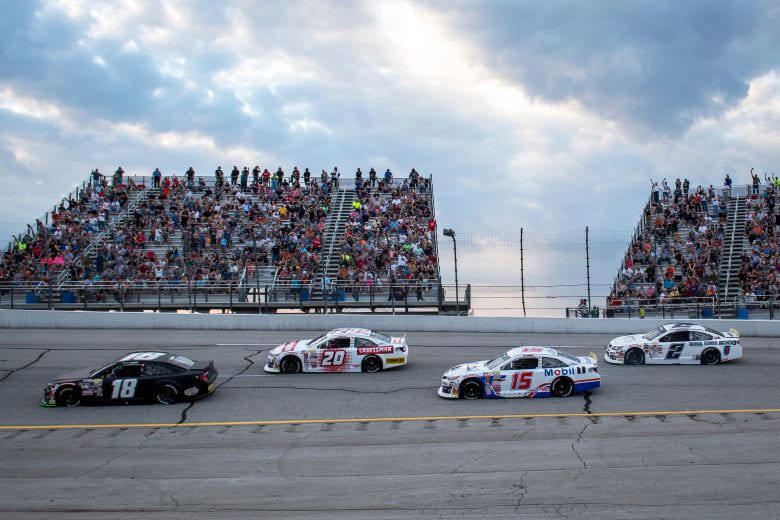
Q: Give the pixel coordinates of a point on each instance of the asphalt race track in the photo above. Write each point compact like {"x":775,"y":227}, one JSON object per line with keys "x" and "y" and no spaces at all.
{"x":652,"y":442}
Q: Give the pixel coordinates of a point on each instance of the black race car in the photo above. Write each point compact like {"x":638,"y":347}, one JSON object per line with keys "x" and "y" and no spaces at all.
{"x":157,"y":376}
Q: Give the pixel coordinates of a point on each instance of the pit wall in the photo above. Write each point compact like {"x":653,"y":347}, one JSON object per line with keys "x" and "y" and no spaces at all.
{"x":21,"y":319}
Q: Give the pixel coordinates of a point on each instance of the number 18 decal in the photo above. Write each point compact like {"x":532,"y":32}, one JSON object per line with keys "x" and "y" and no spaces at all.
{"x":124,"y":388}
{"x":333,"y":358}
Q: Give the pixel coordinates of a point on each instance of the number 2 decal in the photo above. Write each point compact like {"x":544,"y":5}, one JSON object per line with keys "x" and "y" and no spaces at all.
{"x":124,"y":388}
{"x":521,"y":380}
{"x":675,"y":350}
{"x":333,"y":358}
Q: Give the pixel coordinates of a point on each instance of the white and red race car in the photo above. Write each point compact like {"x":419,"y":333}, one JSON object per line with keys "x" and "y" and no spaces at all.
{"x":522,"y":372}
{"x":339,"y":350}
{"x":675,"y":344}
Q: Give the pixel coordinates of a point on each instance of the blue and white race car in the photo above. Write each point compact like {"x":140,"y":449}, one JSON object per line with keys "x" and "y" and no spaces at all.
{"x":522,"y":372}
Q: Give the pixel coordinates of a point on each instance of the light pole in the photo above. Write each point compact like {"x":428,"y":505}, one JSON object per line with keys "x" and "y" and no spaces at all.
{"x":451,"y":233}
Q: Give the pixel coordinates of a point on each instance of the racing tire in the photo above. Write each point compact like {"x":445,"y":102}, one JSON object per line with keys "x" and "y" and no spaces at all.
{"x":166,"y":393}
{"x":290,"y":365}
{"x":634,"y":357}
{"x":562,"y":387}
{"x":471,"y":389}
{"x":711,"y":356}
{"x":371,"y":364}
{"x":68,"y":396}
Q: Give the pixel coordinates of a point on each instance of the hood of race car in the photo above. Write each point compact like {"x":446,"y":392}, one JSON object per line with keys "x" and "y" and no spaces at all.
{"x":633,"y":339}
{"x":476,"y":367}
{"x":291,"y":346}
{"x":75,"y":375}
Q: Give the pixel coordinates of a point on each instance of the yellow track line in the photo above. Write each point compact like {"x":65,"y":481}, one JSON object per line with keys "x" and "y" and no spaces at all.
{"x":377,"y":419}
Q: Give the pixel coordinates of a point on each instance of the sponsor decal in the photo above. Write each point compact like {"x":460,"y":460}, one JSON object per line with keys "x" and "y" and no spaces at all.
{"x":374,"y":350}
{"x":394,"y":360}
{"x":550,"y":372}
{"x":193,"y":390}
{"x":726,"y":350}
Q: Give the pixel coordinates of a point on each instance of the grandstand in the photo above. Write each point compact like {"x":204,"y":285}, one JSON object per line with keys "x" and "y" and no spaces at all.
{"x":707,"y":253}
{"x":261,"y":243}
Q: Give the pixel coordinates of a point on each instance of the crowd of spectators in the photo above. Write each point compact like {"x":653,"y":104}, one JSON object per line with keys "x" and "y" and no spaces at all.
{"x":675,"y":258}
{"x":759,"y":273}
{"x":389,"y":237}
{"x":188,"y":229}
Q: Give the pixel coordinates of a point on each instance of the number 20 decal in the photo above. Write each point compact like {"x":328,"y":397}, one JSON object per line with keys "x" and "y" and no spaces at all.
{"x":333,"y":358}
{"x":124,"y":388}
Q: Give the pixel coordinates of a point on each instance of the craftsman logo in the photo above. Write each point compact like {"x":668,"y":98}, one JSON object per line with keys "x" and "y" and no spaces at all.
{"x":374,"y":350}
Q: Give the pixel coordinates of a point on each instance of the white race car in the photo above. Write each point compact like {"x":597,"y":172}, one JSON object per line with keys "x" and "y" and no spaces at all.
{"x":339,"y":350}
{"x":522,"y":372}
{"x":675,"y":344}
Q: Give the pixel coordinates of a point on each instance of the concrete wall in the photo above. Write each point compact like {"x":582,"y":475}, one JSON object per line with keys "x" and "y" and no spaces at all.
{"x":319,"y":322}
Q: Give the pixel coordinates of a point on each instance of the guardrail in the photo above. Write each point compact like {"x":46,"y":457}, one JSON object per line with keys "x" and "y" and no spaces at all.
{"x":204,"y":296}
{"x":694,"y":308}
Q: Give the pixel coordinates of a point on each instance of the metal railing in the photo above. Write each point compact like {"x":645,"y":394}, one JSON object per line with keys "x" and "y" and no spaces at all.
{"x":205,"y":296}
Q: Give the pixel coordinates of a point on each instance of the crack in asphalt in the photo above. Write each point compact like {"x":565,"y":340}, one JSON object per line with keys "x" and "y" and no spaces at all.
{"x":250,"y":364}
{"x":573,"y":444}
{"x":522,"y":490}
{"x":103,"y":465}
{"x":693,"y":450}
{"x":25,"y":366}
{"x":588,"y":402}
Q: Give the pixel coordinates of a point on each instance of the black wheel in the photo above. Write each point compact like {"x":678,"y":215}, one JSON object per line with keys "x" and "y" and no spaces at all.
{"x":710,"y":356}
{"x":634,"y":357}
{"x":68,"y":396}
{"x":562,"y":387}
{"x":166,"y":394}
{"x":472,"y":389}
{"x":290,"y":365}
{"x":372,"y":364}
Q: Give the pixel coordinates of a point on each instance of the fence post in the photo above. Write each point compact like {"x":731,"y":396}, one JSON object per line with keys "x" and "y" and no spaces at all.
{"x":159,"y":297}
{"x":50,"y":297}
{"x":230,"y":290}
{"x":12,"y":296}
{"x":121,"y":297}
{"x":371,"y":297}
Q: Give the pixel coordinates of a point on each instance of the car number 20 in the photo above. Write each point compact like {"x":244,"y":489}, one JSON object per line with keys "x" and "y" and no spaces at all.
{"x":333,"y":358}
{"x":123,"y":388}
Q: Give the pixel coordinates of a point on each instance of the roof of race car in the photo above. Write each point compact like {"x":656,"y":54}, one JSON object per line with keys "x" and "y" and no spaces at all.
{"x":349,"y":332}
{"x":690,"y":326}
{"x":532,"y":351}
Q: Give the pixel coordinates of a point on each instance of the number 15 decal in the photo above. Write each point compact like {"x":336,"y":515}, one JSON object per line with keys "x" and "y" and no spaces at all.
{"x":521,"y":380}
{"x":333,"y":358}
{"x":124,"y":388}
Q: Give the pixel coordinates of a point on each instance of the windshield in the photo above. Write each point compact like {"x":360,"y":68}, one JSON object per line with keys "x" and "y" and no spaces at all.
{"x":317,"y":340}
{"x":97,"y":371}
{"x":496,"y":362}
{"x":381,"y":337}
{"x":655,"y":332}
{"x":181,"y":361}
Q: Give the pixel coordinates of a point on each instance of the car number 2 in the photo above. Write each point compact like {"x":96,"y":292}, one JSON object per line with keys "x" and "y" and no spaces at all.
{"x":333,"y":358}
{"x":123,"y":388}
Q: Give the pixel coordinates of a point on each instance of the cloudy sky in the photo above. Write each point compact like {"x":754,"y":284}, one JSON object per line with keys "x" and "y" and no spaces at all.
{"x":544,"y":115}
